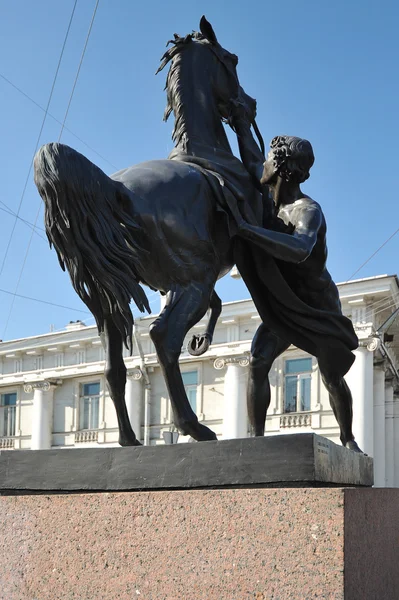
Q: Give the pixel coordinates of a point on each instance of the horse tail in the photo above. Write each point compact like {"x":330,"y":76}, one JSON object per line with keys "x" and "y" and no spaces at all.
{"x":92,"y":234}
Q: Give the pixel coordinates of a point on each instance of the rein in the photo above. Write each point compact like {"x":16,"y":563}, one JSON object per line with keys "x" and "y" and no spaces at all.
{"x":236,"y":104}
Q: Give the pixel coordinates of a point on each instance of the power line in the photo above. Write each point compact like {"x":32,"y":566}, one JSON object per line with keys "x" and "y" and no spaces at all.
{"x":43,"y":301}
{"x":372,"y":256}
{"x":13,"y":214}
{"x":39,"y":136}
{"x":93,"y":318}
{"x":381,"y":304}
{"x":67,"y":307}
{"x":59,"y":138}
{"x":393,"y":304}
{"x":58,"y":121}
{"x":79,"y":67}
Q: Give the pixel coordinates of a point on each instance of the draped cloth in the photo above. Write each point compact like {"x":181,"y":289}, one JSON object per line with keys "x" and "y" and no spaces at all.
{"x":323,"y":332}
{"x":326,"y":334}
{"x":228,"y":178}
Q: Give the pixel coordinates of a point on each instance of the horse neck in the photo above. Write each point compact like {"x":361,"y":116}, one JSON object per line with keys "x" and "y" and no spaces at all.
{"x":197,"y":119}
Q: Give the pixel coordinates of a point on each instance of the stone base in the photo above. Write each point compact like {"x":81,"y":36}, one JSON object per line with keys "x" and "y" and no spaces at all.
{"x":283,"y":460}
{"x":225,"y":544}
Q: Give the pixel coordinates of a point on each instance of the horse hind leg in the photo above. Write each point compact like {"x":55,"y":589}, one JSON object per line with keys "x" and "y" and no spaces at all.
{"x":199,"y":344}
{"x":184,"y":308}
{"x":115,"y":374}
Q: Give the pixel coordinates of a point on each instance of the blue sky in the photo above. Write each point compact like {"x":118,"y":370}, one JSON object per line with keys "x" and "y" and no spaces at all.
{"x":326,"y":71}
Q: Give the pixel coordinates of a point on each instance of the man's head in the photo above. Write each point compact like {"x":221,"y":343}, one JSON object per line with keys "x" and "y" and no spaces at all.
{"x":290,"y":157}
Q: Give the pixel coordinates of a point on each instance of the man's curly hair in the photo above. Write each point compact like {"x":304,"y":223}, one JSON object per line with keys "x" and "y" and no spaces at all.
{"x":293,"y":157}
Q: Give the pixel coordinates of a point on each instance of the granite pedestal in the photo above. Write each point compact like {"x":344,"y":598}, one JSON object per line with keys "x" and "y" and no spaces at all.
{"x":284,"y":460}
{"x":300,"y":530}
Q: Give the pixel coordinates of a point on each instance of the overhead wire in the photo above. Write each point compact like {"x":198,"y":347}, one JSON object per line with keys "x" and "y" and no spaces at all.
{"x":28,"y":223}
{"x":69,"y":307}
{"x":39,"y":136}
{"x":59,"y":138}
{"x":382,"y":304}
{"x":391,"y":305}
{"x":44,"y":301}
{"x":372,"y":255}
{"x":59,"y":122}
{"x":78,"y":71}
{"x":134,"y":309}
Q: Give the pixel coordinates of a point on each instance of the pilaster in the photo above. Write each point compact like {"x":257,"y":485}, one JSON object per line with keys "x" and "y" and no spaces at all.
{"x":360,"y":381}
{"x":235,"y":420}
{"x":379,"y":424}
{"x":42,"y":418}
{"x":134,"y":399}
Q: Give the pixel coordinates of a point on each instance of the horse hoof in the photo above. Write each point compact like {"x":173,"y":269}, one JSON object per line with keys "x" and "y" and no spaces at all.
{"x":199,"y":344}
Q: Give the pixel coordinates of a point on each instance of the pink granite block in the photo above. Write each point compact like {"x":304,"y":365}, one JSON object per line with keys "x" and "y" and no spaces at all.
{"x":231,"y":544}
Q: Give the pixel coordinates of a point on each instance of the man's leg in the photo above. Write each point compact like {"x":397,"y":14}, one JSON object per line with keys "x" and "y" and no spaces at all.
{"x":266,"y":347}
{"x":341,"y":404}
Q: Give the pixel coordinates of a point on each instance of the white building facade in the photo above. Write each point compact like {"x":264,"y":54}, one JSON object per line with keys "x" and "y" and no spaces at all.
{"x":53,"y":392}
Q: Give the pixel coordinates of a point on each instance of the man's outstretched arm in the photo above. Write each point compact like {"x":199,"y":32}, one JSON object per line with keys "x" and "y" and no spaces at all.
{"x":293,"y":248}
{"x":251,"y":155}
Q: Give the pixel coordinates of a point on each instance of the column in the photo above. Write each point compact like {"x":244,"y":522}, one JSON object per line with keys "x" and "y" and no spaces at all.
{"x":379,"y":426}
{"x":42,"y":418}
{"x":360,"y":381}
{"x":235,"y":419}
{"x":134,"y":399}
{"x":389,"y":436}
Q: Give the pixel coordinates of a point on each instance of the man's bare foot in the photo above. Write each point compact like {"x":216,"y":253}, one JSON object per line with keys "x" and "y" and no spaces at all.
{"x":352,"y":445}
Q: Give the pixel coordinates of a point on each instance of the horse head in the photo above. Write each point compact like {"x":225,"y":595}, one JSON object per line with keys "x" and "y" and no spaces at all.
{"x":233,"y":98}
{"x":203,"y":71}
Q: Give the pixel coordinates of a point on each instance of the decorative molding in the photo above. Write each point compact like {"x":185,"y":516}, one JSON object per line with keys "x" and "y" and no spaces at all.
{"x":220,"y":363}
{"x":296,"y":420}
{"x":40,"y":385}
{"x":135,"y":374}
{"x":82,"y":437}
{"x":372,"y":343}
{"x":7,"y":443}
{"x":45,"y":386}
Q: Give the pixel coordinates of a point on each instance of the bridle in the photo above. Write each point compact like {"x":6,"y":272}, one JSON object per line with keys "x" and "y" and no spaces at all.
{"x":236,"y":103}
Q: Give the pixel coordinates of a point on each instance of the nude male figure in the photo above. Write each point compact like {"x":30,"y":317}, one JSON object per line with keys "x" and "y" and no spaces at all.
{"x":297,"y":241}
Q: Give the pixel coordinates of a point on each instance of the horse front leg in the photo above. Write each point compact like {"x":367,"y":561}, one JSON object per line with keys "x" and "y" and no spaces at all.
{"x":200,"y":343}
{"x":184,"y":308}
{"x":115,"y":374}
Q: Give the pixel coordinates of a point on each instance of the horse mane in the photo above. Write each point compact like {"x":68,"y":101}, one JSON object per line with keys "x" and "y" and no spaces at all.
{"x":173,"y":86}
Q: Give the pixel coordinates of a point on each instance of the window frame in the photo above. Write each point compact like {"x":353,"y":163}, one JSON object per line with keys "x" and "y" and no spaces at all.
{"x":81,"y":399}
{"x":192,"y":387}
{"x":3,"y":408}
{"x":300,"y":376}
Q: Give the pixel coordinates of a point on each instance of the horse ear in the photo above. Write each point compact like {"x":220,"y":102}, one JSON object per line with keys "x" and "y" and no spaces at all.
{"x":207,"y":31}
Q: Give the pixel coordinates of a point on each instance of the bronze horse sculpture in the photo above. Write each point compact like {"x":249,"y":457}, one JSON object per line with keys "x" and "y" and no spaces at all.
{"x":162,"y":223}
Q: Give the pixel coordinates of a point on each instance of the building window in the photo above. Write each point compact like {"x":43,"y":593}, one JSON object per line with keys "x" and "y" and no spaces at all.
{"x":89,"y":405}
{"x":8,"y":407}
{"x":59,"y":359}
{"x":81,"y":357}
{"x":298,"y":373}
{"x":18,"y":365}
{"x":38,"y":363}
{"x":190,"y":381}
